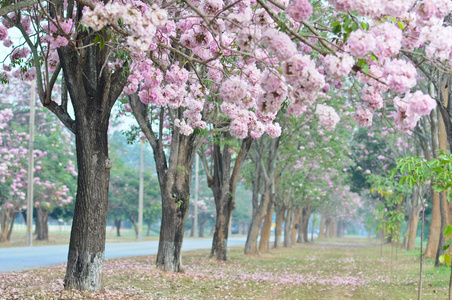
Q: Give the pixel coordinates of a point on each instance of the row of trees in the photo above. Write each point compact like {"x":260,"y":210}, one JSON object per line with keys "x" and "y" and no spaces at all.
{"x":200,"y":73}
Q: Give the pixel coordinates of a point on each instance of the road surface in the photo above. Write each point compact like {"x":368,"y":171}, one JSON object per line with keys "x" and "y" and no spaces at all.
{"x":25,"y":258}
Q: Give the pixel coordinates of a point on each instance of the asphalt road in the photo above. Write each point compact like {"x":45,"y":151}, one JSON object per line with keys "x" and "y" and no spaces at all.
{"x":25,"y":258}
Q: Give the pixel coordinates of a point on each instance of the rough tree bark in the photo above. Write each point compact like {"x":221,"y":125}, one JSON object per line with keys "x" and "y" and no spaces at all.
{"x":435,"y":222}
{"x":322,"y":227}
{"x":42,"y":228}
{"x":133,"y":220}
{"x":94,"y":90}
{"x":174,"y":177}
{"x":297,"y":217}
{"x":223,"y":184}
{"x":263,"y":182}
{"x":280,"y":212}
{"x":300,"y":228}
{"x":264,"y":243}
{"x":306,"y":214}
{"x":202,"y":227}
{"x":11,"y":226}
{"x":6,"y":215}
{"x":288,"y":227}
{"x":118,"y":227}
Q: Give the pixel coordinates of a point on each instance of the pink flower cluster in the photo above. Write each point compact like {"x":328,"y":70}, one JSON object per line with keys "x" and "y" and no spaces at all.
{"x":363,"y":117}
{"x":388,"y":39}
{"x":141,"y":21}
{"x":299,"y":10}
{"x":360,"y":43}
{"x":338,"y":65}
{"x":400,"y":75}
{"x":279,"y":43}
{"x":411,"y":108}
{"x":306,"y":80}
{"x":374,"y":8}
{"x":328,"y":117}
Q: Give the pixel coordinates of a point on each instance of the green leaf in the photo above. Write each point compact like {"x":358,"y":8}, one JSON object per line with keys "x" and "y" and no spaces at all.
{"x":366,"y":68}
{"x":347,"y":25}
{"x":361,"y":62}
{"x":448,"y":230}
{"x":401,"y":25}
{"x":447,"y":259}
{"x":441,"y":259}
{"x":447,"y":245}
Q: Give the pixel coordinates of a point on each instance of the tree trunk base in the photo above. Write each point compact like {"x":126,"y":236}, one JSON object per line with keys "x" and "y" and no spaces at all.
{"x":84,"y":271}
{"x":167,"y":258}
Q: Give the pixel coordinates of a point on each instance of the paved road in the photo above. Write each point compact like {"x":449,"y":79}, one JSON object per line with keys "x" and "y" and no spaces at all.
{"x":24,"y":258}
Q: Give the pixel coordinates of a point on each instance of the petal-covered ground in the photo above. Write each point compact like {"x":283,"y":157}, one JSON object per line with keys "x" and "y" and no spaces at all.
{"x":327,"y":270}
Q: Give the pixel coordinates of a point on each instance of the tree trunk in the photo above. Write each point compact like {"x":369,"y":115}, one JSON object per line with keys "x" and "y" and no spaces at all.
{"x":280,"y":211}
{"x":202,"y":226}
{"x":224,"y":209}
{"x":42,"y":218}
{"x":314,"y":217}
{"x":254,"y":228}
{"x":288,"y":228}
{"x":192,"y":229}
{"x":223,"y":184}
{"x":435,"y":222}
{"x":300,"y":228}
{"x":305,"y":224}
{"x":407,"y":233}
{"x":296,"y":225}
{"x":87,"y":245}
{"x":322,"y":227}
{"x":6,"y":218}
{"x":265,"y":180}
{"x":175,"y":201}
{"x":10,"y":231}
{"x":264,"y":243}
{"x":118,"y":227}
{"x":414,"y":220}
{"x":435,"y":227}
{"x":333,"y":231}
{"x":174,"y":176}
{"x":135,"y":226}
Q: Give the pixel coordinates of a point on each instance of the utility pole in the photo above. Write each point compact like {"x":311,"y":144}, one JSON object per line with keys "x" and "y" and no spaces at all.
{"x":140,"y":193}
{"x":195,"y":219}
{"x":31,"y":166}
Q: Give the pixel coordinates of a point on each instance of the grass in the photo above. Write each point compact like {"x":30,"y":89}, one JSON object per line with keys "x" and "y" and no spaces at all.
{"x":349,"y":268}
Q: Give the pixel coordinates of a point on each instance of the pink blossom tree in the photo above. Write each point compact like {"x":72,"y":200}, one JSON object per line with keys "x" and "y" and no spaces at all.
{"x":242,"y":61}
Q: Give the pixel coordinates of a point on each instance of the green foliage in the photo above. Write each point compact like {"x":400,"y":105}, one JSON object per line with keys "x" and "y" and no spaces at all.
{"x":417,"y":171}
{"x":446,"y":258}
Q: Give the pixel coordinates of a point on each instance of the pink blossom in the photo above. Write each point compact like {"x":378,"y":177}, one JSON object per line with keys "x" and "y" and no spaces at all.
{"x":363,"y":117}
{"x":279,"y":43}
{"x":342,"y":5}
{"x":3,"y":33}
{"x":328,"y":117}
{"x":420,"y":103}
{"x":388,"y":39}
{"x":361,"y":43}
{"x":338,"y":65}
{"x":273,"y":130}
{"x":239,"y":128}
{"x":400,"y":74}
{"x":233,"y":90}
{"x":299,"y":10}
